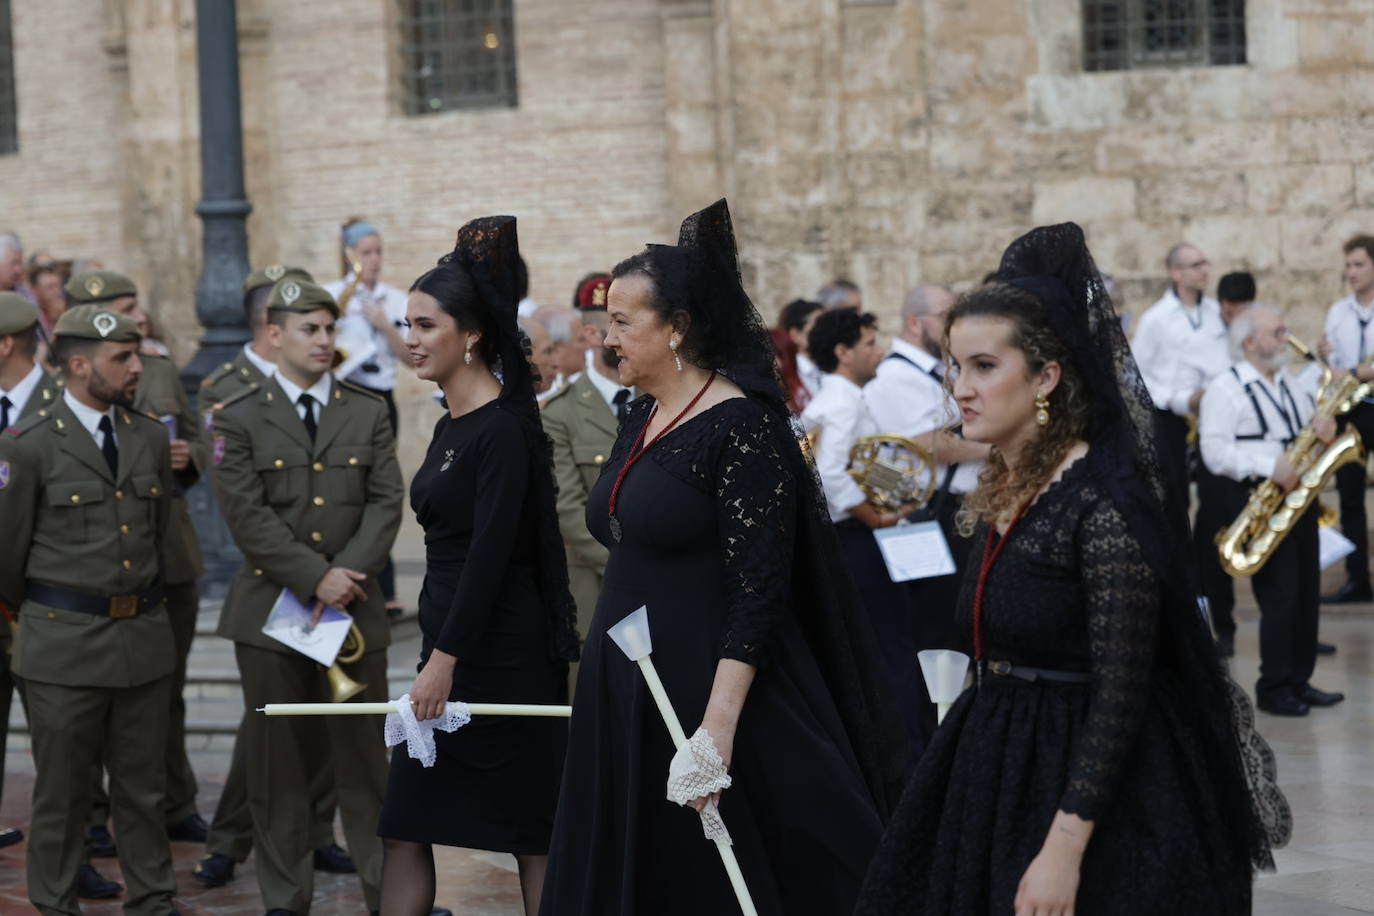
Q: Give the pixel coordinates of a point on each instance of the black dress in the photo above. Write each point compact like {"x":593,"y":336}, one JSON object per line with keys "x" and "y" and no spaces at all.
{"x":707,"y":518}
{"x":1069,"y":592}
{"x":495,"y":782}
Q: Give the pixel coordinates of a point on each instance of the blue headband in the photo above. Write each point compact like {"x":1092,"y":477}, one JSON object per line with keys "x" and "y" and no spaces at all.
{"x":357,"y":232}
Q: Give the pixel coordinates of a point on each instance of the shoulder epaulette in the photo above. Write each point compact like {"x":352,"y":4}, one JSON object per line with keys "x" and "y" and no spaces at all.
{"x":560,"y":392}
{"x":356,"y":389}
{"x":218,"y":374}
{"x":245,"y":391}
{"x":25,"y":424}
{"x":130,"y":412}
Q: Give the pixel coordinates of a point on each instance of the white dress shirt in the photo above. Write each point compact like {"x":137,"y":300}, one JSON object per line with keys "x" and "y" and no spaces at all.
{"x":365,"y":344}
{"x":809,"y":373}
{"x":1350,"y":328}
{"x":23,"y":390}
{"x":1247,"y":421}
{"x":604,"y":386}
{"x":262,"y":365}
{"x":907,"y":398}
{"x":89,"y":417}
{"x":1167,"y":332}
{"x":319,"y":391}
{"x":840,"y":416}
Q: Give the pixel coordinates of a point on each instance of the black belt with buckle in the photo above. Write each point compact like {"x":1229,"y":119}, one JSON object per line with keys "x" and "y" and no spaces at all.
{"x":117,"y":607}
{"x":1031,"y":675}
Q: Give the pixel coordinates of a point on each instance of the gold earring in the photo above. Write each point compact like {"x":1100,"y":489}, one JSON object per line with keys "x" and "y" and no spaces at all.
{"x":672,"y":345}
{"x":467,"y":353}
{"x":1042,"y":410}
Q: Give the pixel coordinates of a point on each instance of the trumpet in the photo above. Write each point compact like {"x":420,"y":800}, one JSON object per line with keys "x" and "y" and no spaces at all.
{"x":342,"y":687}
{"x":895,"y":473}
{"x":347,"y":292}
{"x":1248,"y":543}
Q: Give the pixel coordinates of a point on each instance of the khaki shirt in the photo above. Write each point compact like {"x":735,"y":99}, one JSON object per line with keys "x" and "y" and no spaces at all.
{"x":160,"y":394}
{"x":297,"y":508}
{"x":70,"y":523}
{"x":582,"y":429}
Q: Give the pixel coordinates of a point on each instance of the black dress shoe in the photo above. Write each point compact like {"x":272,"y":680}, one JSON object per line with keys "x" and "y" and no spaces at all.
{"x":281,"y":913}
{"x":1350,"y":593}
{"x":1284,"y":704}
{"x":1226,"y":645}
{"x":92,"y":885}
{"x":1314,"y":697}
{"x":10,"y":835}
{"x":101,"y":843}
{"x":1325,"y":648}
{"x":335,"y":860}
{"x":191,"y":829}
{"x":214,"y":870}
{"x":437,"y":911}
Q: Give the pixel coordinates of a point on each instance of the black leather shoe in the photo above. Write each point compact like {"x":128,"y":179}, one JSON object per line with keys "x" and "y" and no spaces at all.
{"x":1226,"y":645}
{"x":437,"y":911}
{"x":1314,"y":697}
{"x":335,"y":860}
{"x":191,"y":829}
{"x":92,"y":885}
{"x":1325,"y":648}
{"x":1350,"y":593}
{"x":10,"y":835}
{"x":214,"y":870}
{"x":101,"y":843}
{"x":281,"y":913}
{"x":1284,"y":704}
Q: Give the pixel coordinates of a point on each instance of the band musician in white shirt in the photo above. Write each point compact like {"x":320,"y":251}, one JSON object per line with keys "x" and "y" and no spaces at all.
{"x":1250,"y":415}
{"x":1349,"y":344}
{"x":907,"y":397}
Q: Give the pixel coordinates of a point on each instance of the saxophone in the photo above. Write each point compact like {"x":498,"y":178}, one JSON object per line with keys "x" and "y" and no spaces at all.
{"x":1270,"y":514}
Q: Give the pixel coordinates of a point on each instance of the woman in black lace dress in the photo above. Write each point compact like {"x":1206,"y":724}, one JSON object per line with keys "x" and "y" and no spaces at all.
{"x":495,"y":614}
{"x":715,"y":523}
{"x":1103,"y":762}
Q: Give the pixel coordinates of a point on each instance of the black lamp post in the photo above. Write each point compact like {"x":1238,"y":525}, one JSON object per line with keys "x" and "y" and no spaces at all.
{"x":224,"y":210}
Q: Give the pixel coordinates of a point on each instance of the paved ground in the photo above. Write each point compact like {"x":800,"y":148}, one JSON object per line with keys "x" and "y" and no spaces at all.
{"x":1324,"y":765}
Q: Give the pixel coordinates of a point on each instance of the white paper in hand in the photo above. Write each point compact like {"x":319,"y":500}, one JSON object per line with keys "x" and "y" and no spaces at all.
{"x":915,"y":551}
{"x":289,"y":624}
{"x":1332,"y":545}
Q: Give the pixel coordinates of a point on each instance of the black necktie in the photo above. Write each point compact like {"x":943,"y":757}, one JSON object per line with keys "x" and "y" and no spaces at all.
{"x":308,"y":403}
{"x":622,"y":398}
{"x":107,"y":448}
{"x":5,"y":413}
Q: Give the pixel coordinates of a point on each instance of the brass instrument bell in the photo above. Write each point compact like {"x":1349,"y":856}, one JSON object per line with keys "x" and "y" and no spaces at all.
{"x":895,"y":472}
{"x":342,"y":687}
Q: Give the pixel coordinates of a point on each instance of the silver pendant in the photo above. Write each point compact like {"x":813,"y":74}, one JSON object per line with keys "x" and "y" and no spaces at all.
{"x":615,"y":529}
{"x":448,"y":459}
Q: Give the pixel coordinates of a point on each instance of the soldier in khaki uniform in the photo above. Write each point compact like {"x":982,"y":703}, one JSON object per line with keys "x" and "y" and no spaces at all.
{"x":85,"y":492}
{"x":582,"y":420}
{"x":160,"y":396}
{"x":306,"y":475}
{"x":230,"y":838}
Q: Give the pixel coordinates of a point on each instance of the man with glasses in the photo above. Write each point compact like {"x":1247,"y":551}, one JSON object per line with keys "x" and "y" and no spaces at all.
{"x":1184,"y":321}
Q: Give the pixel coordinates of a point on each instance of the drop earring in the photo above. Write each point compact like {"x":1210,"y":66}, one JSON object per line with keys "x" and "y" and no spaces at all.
{"x":467,"y":353}
{"x":1042,"y":410}
{"x":672,"y":345}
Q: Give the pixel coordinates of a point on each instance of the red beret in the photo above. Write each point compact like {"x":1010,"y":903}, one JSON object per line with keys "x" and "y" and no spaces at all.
{"x":591,"y":293}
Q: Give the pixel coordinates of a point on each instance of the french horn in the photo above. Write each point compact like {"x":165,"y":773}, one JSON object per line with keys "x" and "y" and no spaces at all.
{"x":897,"y":474}
{"x":342,"y":687}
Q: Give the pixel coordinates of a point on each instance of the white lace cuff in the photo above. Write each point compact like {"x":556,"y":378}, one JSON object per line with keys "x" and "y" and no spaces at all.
{"x":402,"y":725}
{"x":698,"y":770}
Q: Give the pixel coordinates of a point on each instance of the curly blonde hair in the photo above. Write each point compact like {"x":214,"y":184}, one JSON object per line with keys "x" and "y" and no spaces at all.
{"x":1001,"y":494}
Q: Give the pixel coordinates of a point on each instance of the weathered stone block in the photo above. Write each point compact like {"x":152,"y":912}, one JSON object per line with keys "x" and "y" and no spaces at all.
{"x":1084,"y":199}
{"x":1310,"y":190}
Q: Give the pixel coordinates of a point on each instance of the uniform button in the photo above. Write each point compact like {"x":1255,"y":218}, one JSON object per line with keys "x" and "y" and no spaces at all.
{"x":51,"y":615}
{"x":128,"y":564}
{"x":317,"y":466}
{"x":279,"y":463}
{"x":155,"y":491}
{"x":76,"y":498}
{"x":352,"y":460}
{"x":318,"y":500}
{"x":316,"y":536}
{"x":257,"y":572}
{"x":123,"y":529}
{"x":119,"y":494}
{"x":598,"y":459}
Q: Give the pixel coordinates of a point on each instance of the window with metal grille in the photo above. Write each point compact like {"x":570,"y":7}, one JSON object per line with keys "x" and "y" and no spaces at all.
{"x":9,"y":128}
{"x":457,"y":54}
{"x":1134,"y":34}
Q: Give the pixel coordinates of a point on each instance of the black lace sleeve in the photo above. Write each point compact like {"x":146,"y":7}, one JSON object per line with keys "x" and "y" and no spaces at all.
{"x":1122,"y":596}
{"x":756,"y":502}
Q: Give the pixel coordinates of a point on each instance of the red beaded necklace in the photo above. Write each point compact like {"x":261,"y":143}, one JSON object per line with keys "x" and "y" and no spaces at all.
{"x":990,"y":554}
{"x":637,"y":450}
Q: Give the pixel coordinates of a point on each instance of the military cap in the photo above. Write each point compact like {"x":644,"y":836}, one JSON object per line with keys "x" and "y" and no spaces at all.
{"x":93,"y":322}
{"x":591,"y":293}
{"x":292,"y":295}
{"x":16,"y":313}
{"x":100,"y":286}
{"x":274,"y":273}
